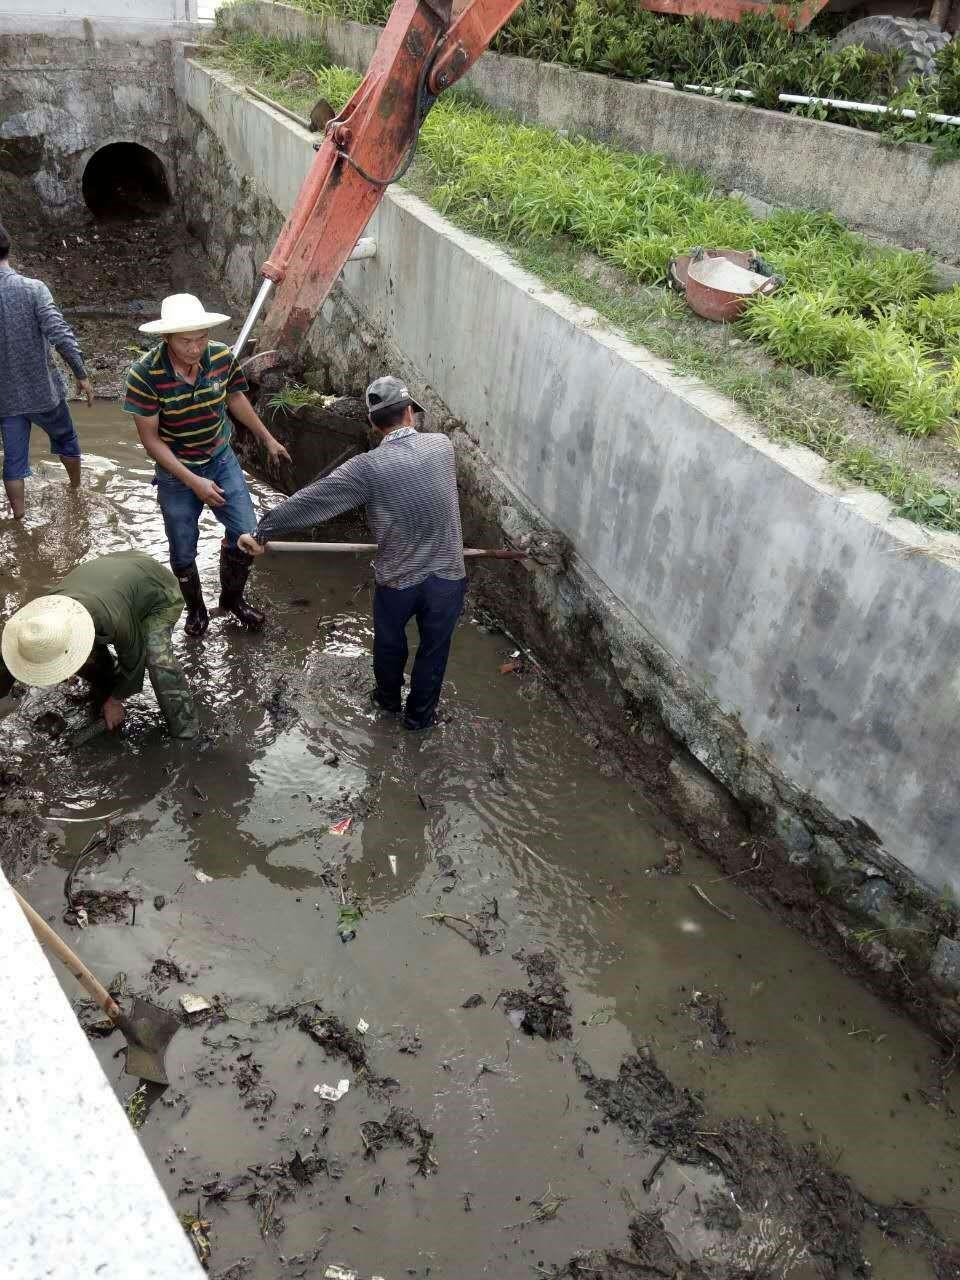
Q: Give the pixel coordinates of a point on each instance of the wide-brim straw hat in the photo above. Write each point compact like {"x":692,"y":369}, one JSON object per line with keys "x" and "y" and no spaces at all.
{"x":183,"y":313}
{"x":47,"y":640}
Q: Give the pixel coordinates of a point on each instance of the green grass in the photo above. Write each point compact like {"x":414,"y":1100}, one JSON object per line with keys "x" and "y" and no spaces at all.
{"x":512,"y":181}
{"x":860,"y":314}
{"x":293,"y":396}
{"x":614,"y":37}
{"x":775,"y":401}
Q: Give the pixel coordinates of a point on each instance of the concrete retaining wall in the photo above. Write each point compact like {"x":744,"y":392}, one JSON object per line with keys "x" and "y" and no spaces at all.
{"x":896,"y":193}
{"x":799,"y":641}
{"x":37,"y":13}
{"x":62,"y":97}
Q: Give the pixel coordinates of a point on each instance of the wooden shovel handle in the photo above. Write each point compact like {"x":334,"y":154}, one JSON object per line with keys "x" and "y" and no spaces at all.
{"x":471,"y":553}
{"x":76,"y":966}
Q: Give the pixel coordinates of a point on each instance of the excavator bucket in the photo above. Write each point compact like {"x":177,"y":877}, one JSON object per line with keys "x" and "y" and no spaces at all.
{"x":255,"y":366}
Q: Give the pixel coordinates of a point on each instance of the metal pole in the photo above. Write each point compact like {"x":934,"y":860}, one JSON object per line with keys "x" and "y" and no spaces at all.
{"x":350,"y":548}
{"x":801,"y":100}
{"x":251,"y":319}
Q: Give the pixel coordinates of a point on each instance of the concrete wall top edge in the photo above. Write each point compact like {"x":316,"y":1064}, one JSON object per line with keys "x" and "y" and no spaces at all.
{"x":898,"y":193}
{"x":117,"y":29}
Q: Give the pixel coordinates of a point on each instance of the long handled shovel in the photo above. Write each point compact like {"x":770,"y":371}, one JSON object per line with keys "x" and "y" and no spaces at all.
{"x":147,"y":1029}
{"x":470,"y":553}
{"x":549,"y":550}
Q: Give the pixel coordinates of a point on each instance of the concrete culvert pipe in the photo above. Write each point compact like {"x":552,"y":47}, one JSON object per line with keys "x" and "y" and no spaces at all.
{"x":123,"y":180}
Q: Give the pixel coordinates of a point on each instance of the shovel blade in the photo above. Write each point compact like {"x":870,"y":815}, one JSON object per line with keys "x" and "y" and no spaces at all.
{"x":255,"y":366}
{"x":149,"y":1030}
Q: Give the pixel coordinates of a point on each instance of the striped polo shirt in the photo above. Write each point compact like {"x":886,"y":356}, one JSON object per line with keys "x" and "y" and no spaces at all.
{"x":193,"y":419}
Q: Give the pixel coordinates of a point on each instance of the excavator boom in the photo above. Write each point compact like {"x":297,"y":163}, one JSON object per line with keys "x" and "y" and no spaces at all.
{"x":422,"y":51}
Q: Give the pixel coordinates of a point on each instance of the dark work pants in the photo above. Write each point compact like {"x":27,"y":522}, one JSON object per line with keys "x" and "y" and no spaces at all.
{"x":436,"y":603}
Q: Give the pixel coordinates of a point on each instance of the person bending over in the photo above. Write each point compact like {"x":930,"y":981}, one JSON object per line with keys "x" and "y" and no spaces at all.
{"x":125,"y":600}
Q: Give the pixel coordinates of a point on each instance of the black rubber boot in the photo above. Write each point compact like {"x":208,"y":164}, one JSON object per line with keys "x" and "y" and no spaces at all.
{"x":234,"y":570}
{"x":197,"y":617}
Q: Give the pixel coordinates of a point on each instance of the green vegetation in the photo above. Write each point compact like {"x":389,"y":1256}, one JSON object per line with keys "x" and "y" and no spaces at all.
{"x":136,"y":1107}
{"x":948,"y":72}
{"x":863,"y":315}
{"x":293,"y":396}
{"x":614,"y":37}
{"x":836,"y":314}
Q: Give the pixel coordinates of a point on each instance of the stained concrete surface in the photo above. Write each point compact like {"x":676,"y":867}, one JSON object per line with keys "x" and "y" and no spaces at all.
{"x":65,"y":1212}
{"x":62,"y":98}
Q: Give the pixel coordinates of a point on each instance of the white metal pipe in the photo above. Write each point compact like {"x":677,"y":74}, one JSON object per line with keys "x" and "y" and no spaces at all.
{"x":799,"y":99}
{"x":840,"y":104}
{"x":251,"y":319}
{"x":350,"y":548}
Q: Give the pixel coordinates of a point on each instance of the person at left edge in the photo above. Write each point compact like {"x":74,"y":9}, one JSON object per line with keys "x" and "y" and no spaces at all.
{"x":179,"y":394}
{"x":32,"y":391}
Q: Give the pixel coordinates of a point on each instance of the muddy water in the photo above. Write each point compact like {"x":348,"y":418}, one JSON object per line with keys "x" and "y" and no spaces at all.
{"x":507,"y":796}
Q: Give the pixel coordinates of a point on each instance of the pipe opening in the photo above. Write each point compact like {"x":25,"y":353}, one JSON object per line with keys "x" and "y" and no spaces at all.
{"x":123,"y":180}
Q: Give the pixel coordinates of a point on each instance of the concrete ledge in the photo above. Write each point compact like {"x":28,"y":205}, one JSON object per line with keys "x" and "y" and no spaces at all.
{"x":144,"y":30}
{"x":84,"y":1200}
{"x":820,"y":630}
{"x":893,"y":192}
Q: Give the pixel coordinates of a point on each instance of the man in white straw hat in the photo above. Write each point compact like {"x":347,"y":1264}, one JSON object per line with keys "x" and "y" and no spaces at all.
{"x":126,"y":600}
{"x":179,"y":394}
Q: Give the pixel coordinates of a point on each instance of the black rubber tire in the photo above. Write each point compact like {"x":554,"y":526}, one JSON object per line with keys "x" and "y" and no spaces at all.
{"x":914,"y":38}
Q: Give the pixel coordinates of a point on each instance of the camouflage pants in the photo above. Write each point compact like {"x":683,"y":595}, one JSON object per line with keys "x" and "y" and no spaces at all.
{"x":169,"y":683}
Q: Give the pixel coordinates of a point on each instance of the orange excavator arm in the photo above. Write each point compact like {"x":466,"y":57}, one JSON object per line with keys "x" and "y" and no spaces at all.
{"x":423,"y":50}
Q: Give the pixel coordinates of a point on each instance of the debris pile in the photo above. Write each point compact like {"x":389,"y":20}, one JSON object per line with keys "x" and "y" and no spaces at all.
{"x":644,"y":1103}
{"x":707,"y":1011}
{"x":334,"y":1037}
{"x":546,"y":1010}
{"x":403,"y":1129}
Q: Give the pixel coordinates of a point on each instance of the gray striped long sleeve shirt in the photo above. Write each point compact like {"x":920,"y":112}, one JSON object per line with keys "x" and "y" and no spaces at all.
{"x":408,"y":485}
{"x":30,"y":325}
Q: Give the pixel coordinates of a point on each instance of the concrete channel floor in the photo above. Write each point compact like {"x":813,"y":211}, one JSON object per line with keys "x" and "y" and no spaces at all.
{"x":504,"y":815}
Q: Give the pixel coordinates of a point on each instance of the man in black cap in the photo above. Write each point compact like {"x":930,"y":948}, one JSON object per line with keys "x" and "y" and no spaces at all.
{"x":408,"y":485}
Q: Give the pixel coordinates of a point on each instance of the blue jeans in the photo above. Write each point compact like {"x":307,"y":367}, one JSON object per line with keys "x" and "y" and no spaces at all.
{"x":436,"y":603}
{"x":58,"y":425}
{"x":181,"y":507}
